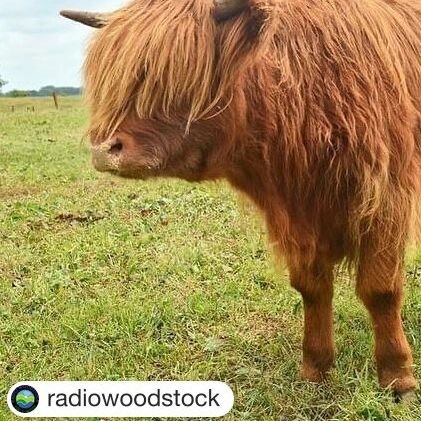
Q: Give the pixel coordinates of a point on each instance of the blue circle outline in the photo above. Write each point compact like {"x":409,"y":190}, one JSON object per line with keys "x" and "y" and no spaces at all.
{"x":15,"y":394}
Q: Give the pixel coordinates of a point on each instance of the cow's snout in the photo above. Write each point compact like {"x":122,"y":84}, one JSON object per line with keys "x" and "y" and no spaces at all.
{"x":107,"y":155}
{"x":115,"y":146}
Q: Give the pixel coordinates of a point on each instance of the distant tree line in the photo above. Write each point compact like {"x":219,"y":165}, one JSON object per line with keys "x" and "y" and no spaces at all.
{"x":44,"y":91}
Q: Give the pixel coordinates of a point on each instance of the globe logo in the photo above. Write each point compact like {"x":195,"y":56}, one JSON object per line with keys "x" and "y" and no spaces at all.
{"x":25,"y":399}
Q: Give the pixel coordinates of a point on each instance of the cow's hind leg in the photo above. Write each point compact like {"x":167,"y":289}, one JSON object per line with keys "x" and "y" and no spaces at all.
{"x":380,"y":287}
{"x":315,"y":283}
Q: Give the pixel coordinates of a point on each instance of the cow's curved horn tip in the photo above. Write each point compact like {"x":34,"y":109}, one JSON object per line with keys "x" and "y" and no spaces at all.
{"x":69,"y":14}
{"x":95,"y":20}
{"x":65,"y":13}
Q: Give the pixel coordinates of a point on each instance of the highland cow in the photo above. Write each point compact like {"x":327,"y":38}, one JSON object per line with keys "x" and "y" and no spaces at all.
{"x":311,"y":108}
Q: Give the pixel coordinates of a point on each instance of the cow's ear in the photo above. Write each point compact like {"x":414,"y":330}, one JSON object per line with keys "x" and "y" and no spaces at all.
{"x":247,"y":36}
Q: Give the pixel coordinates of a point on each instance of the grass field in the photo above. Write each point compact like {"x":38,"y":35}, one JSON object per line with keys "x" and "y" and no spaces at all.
{"x":105,"y":279}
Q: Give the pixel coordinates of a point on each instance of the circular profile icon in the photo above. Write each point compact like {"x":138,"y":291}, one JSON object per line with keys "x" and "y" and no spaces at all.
{"x":25,"y":399}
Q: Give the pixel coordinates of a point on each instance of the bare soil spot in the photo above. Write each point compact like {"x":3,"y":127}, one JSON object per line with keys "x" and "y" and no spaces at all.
{"x":72,"y":218}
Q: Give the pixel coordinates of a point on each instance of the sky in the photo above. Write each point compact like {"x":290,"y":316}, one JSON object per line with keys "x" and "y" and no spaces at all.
{"x":38,"y":47}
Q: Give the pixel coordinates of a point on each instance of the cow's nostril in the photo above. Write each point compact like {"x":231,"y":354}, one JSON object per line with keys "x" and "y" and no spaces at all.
{"x":116,"y":148}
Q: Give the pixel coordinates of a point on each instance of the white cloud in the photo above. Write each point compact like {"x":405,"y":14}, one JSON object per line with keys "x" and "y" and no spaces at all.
{"x":38,"y":47}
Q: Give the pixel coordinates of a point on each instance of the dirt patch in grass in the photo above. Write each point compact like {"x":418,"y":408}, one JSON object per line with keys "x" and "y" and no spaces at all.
{"x":73,"y":218}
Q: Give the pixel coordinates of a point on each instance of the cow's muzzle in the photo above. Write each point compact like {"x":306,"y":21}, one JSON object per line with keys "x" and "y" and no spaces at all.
{"x":107,"y":155}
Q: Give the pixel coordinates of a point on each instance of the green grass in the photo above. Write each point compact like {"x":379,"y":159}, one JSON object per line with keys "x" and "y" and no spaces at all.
{"x":105,"y":279}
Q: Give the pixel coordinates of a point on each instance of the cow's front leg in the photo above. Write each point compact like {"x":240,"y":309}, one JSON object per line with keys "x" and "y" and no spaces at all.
{"x":379,"y":285}
{"x":315,"y":283}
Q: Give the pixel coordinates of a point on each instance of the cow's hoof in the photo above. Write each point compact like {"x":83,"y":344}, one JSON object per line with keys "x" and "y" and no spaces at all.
{"x":403,"y":388}
{"x":405,"y":397}
{"x":400,"y":383}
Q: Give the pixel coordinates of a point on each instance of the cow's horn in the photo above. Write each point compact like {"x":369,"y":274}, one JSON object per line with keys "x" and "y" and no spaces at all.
{"x":226,"y":9}
{"x":96,"y":20}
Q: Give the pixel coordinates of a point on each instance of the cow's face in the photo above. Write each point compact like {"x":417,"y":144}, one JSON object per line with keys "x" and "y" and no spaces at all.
{"x":162,"y":81}
{"x":143,"y":148}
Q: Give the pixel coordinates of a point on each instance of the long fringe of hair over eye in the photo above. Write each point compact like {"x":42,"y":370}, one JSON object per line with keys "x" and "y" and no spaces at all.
{"x":155,"y":57}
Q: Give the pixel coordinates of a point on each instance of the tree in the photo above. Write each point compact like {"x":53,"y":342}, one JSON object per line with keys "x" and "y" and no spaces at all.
{"x":17,"y":94}
{"x":2,"y":83}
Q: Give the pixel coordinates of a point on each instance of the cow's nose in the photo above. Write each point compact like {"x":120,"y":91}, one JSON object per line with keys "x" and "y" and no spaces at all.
{"x":106,"y":156}
{"x":115,"y":146}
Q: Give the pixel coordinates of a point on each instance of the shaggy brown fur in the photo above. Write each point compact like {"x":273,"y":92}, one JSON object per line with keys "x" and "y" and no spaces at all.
{"x":312,"y":108}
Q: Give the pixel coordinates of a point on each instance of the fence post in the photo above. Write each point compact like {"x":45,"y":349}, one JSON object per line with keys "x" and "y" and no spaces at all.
{"x":55,"y":100}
